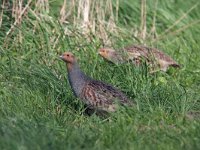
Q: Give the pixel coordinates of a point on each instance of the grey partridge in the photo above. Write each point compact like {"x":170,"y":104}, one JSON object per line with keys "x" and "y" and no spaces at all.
{"x":95,"y":94}
{"x":153,"y":57}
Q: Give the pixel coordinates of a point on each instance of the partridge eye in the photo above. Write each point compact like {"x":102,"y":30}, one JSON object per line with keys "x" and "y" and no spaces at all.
{"x":67,"y":55}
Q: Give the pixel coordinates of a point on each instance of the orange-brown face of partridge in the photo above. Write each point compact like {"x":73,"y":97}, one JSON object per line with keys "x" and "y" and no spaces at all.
{"x":111,"y":55}
{"x":107,"y":53}
{"x":103,"y":52}
{"x":68,"y":57}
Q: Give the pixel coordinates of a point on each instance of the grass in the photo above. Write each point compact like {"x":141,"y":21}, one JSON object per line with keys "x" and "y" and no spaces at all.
{"x":39,"y":111}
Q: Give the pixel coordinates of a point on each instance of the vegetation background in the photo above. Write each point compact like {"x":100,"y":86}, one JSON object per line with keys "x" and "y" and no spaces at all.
{"x":37,"y":107}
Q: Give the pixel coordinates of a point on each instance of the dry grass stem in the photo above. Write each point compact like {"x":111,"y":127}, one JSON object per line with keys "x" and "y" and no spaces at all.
{"x":17,"y":20}
{"x":180,"y":19}
{"x":1,"y":15}
{"x":143,"y":19}
{"x":153,"y":28}
{"x":63,"y":13}
{"x":178,"y":31}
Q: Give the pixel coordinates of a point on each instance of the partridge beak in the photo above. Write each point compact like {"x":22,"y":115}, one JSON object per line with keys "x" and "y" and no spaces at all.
{"x":100,"y":53}
{"x":61,"y":56}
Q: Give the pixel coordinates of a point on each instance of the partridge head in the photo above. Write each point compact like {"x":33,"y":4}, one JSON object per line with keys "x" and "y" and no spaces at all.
{"x":111,"y":55}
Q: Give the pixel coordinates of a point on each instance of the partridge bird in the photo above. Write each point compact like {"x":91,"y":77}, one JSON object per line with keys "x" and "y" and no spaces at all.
{"x":153,"y":57}
{"x":95,"y":94}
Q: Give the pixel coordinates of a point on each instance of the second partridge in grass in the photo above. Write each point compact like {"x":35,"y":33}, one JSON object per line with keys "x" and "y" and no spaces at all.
{"x":96,"y":94}
{"x":154,"y":57}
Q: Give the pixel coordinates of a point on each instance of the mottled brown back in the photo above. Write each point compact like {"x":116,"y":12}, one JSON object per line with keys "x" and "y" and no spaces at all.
{"x":103,"y":96}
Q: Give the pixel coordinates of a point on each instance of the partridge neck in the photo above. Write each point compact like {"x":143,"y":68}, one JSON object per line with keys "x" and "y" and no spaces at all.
{"x":77,"y":78}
